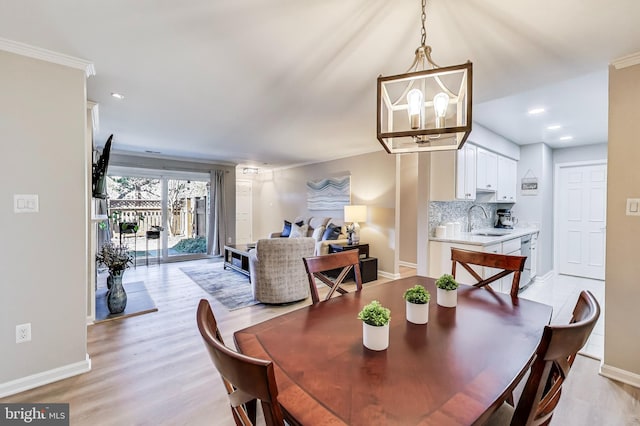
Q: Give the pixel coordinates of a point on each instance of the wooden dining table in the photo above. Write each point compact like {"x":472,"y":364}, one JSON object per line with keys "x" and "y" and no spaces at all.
{"x":454,"y":370}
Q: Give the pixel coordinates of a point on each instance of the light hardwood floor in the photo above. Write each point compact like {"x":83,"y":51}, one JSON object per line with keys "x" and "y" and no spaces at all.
{"x":153,"y":369}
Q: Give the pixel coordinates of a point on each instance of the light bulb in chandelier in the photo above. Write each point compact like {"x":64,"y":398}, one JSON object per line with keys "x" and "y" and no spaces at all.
{"x":440,"y":105}
{"x":414,"y":107}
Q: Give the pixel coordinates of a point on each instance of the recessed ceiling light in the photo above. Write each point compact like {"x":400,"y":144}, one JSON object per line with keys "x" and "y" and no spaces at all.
{"x":554,"y":127}
{"x":117,"y":95}
{"x":534,"y":111}
{"x":566,"y":138}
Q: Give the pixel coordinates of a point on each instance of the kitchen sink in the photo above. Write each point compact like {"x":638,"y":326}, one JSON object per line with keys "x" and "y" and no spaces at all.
{"x":491,"y":232}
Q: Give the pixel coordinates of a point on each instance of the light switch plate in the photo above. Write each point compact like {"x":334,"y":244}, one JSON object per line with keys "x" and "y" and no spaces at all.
{"x":633,"y":206}
{"x":25,"y":203}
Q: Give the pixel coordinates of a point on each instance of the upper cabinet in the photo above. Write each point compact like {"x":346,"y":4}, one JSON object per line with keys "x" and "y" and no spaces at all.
{"x":487,"y":171}
{"x":453,"y":174}
{"x":507,"y":180}
{"x":472,"y":173}
{"x":466,"y":173}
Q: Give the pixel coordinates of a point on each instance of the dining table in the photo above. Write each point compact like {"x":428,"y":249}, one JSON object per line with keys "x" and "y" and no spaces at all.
{"x":455,"y":370}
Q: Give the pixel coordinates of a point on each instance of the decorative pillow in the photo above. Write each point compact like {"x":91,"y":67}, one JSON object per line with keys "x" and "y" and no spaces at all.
{"x":286,"y":231}
{"x":298,"y":231}
{"x":318,"y":233}
{"x":331,"y":233}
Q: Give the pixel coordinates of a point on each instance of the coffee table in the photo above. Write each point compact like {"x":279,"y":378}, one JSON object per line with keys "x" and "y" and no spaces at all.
{"x":236,"y":257}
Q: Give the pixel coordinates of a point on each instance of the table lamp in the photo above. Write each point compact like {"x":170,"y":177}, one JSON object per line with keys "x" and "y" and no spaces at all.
{"x":355,"y":214}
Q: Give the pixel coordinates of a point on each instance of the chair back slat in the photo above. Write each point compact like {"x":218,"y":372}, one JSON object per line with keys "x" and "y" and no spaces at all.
{"x":318,"y":266}
{"x":246,"y":379}
{"x":554,"y":357}
{"x":508,"y":263}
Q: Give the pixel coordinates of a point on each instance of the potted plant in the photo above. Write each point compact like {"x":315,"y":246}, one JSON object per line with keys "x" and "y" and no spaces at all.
{"x":447,"y":291}
{"x":417,"y":304}
{"x":375,"y":326}
{"x":117,"y":259}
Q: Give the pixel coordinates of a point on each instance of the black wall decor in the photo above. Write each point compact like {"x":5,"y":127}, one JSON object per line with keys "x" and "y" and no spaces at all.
{"x":99,"y":182}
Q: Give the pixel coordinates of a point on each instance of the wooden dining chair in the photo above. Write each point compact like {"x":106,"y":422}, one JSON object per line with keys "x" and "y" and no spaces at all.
{"x":554,"y":357}
{"x":246,"y":379}
{"x":508,"y":264}
{"x":318,"y":266}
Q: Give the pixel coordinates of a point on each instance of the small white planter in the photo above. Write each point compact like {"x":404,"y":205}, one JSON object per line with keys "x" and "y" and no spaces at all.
{"x":447,"y":298}
{"x":375,"y":338}
{"x":417,"y":313}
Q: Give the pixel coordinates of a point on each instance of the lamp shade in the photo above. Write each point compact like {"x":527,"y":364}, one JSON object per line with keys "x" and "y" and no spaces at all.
{"x":355,"y":213}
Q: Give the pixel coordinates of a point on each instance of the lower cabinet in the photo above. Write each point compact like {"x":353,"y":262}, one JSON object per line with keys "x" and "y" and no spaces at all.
{"x":440,"y":261}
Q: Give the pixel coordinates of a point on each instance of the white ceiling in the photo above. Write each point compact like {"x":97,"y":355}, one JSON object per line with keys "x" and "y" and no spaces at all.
{"x":284,"y":82}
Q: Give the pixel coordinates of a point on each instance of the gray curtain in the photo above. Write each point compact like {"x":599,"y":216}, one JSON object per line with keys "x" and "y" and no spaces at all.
{"x":217,"y":219}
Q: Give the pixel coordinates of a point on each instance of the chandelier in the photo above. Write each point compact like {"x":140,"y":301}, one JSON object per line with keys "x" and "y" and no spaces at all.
{"x":428,"y":108}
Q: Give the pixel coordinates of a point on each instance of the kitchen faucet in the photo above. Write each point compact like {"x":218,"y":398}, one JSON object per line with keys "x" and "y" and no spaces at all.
{"x":469,"y":227}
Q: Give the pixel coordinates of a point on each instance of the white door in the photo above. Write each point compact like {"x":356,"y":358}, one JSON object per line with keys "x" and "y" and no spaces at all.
{"x":581,"y":220}
{"x":243,"y":212}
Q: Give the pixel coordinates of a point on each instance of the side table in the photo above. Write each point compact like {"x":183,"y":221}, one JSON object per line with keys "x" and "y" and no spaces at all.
{"x":368,"y":265}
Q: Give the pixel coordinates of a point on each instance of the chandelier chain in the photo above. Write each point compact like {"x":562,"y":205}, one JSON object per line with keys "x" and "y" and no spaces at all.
{"x":423,"y":32}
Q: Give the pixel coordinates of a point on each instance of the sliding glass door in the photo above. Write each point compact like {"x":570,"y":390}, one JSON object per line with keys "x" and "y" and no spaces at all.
{"x":187,"y":216}
{"x":159,"y":215}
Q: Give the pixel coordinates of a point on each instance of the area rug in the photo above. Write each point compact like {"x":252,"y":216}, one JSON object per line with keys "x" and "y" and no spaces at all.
{"x":229,"y":287}
{"x":138,"y":302}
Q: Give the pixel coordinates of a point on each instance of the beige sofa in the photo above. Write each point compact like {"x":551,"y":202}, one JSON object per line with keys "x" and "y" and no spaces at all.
{"x":277,"y":270}
{"x":316,"y":227}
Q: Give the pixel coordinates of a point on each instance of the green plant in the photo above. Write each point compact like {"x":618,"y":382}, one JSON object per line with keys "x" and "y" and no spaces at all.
{"x":447,"y":282}
{"x":375,"y":314}
{"x":116,"y":257}
{"x":417,"y":294}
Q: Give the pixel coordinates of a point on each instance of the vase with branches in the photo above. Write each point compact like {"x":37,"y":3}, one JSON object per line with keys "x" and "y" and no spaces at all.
{"x":117,"y":259}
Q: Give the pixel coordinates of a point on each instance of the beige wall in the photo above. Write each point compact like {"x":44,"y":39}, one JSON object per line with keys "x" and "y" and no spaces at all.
{"x":44,"y":256}
{"x":622,"y":292}
{"x":282,"y":194}
{"x":408,"y":214}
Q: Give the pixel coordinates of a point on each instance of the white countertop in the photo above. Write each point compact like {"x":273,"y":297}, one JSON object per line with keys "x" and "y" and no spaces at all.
{"x":486,"y":240}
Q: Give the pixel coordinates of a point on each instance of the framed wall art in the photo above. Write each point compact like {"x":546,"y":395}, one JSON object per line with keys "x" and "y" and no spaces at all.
{"x":329,"y":193}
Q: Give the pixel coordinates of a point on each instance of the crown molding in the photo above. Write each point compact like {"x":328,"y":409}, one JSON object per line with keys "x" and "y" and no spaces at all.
{"x":47,"y":55}
{"x":626,"y":61}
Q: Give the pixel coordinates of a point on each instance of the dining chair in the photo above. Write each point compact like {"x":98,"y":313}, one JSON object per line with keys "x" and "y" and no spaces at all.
{"x":320,"y":266}
{"x":246,"y":379}
{"x":508,"y":264}
{"x":554,"y":357}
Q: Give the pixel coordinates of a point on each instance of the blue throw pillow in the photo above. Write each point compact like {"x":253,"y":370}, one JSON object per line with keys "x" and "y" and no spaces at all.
{"x":286,"y":231}
{"x":332,"y":232}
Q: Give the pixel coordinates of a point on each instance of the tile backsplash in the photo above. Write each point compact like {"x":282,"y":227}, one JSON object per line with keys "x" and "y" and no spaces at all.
{"x":441,"y":212}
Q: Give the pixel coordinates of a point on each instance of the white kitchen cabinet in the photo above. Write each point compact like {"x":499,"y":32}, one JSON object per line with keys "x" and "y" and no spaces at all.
{"x":453,"y":174}
{"x":487,"y":170}
{"x":507,"y":180}
{"x":466,"y":173}
{"x":534,"y":255}
{"x":440,"y":261}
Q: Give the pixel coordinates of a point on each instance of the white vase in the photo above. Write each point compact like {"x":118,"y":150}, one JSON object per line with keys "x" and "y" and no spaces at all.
{"x":417,"y":313}
{"x":375,"y":338}
{"x":447,"y":298}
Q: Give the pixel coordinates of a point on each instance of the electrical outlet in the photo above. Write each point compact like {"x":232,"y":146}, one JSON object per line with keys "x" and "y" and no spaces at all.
{"x":23,"y":333}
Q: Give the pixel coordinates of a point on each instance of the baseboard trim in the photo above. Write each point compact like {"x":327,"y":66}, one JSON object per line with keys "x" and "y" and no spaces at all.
{"x":44,"y":378}
{"x":620,"y":375}
{"x":388,"y":275}
{"x":408,"y":264}
{"x":90,"y":319}
{"x":545,"y":277}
